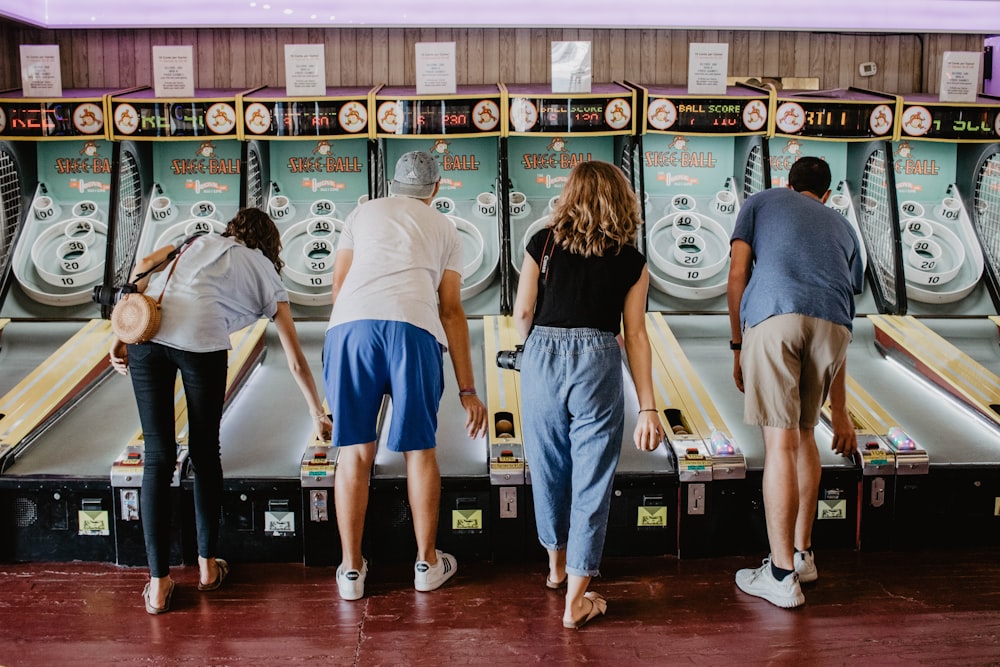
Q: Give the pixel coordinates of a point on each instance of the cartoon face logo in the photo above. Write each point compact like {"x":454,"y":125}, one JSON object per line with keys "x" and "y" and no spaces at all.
{"x":678,"y":143}
{"x":126,"y":118}
{"x":558,"y":145}
{"x":89,"y":149}
{"x":790,"y":117}
{"x":322,"y":147}
{"x":792,"y":147}
{"x":206,"y":149}
{"x":353,"y":117}
{"x":388,"y":117}
{"x":618,"y":113}
{"x":903,"y":150}
{"x":881,"y":119}
{"x":88,"y":118}
{"x":440,"y":147}
{"x":754,"y":115}
{"x":486,"y":115}
{"x":221,"y":118}
{"x":257,"y":118}
{"x":661,"y":114}
{"x":916,"y":121}
{"x":523,"y":114}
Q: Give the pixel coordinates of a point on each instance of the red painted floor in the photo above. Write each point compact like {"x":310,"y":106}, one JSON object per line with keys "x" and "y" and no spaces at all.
{"x":929,"y":608}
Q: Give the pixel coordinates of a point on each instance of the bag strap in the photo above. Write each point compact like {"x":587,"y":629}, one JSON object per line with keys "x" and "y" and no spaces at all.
{"x":543,"y":268}
{"x":175,"y":253}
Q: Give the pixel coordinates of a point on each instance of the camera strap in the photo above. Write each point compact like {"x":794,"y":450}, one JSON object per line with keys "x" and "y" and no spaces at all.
{"x":543,"y":268}
{"x":173,"y":253}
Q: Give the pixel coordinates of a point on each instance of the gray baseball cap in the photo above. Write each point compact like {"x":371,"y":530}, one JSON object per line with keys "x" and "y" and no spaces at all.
{"x":417,"y":173}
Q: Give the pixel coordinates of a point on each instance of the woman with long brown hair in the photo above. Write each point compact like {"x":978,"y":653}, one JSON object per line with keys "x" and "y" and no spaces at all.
{"x":581,"y":278}
{"x":218,"y":284}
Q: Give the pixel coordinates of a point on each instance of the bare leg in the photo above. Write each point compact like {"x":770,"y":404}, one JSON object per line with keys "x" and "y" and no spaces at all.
{"x":576,"y":586}
{"x":208,"y":568}
{"x":158,"y":588}
{"x":809,"y":470}
{"x":423,"y":482}
{"x":557,"y":565}
{"x":781,"y":492}
{"x":350,"y":493}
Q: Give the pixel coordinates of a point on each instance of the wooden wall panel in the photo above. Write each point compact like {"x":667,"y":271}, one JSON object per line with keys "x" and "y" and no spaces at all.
{"x":244,"y":58}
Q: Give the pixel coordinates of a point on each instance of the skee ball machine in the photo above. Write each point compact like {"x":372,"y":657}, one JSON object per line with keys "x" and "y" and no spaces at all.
{"x":947,"y":179}
{"x":56,"y":173}
{"x":462,"y":130}
{"x":178,"y":175}
{"x":307,"y":164}
{"x":547,"y":135}
{"x":701,"y":157}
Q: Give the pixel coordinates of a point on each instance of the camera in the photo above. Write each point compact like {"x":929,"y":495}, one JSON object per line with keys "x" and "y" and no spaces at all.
{"x":108,"y":295}
{"x":510,"y":359}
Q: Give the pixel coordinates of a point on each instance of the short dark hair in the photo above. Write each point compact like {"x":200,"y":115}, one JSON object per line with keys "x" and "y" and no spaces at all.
{"x":810,"y":174}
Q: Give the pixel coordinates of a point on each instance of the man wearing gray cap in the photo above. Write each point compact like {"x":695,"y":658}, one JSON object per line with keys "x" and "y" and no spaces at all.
{"x":397,"y":306}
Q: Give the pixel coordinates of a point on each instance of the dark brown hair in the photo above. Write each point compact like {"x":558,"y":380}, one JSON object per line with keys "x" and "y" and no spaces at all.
{"x":255,"y":229}
{"x":597,"y":213}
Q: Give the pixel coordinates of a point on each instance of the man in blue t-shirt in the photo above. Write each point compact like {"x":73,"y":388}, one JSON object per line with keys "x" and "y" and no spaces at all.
{"x":794,"y":270}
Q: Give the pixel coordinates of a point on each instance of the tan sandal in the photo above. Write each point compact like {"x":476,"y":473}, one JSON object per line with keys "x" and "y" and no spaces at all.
{"x":598,"y":606}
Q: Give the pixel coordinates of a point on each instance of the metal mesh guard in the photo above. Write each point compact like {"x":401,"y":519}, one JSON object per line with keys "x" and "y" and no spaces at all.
{"x":876,"y":224}
{"x":986,"y":209}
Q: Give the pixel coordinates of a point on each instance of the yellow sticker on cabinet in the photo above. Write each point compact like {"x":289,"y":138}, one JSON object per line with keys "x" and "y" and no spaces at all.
{"x":996,"y":507}
{"x":93,"y":522}
{"x":466,"y":519}
{"x":832,"y":509}
{"x":651,"y":516}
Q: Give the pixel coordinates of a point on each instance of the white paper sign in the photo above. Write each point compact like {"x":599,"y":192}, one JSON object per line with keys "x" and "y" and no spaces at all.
{"x":960,"y":76}
{"x":173,"y":71}
{"x":305,"y":70}
{"x":572,"y":71}
{"x":708,"y":65}
{"x":41,"y":75}
{"x":435,"y":68}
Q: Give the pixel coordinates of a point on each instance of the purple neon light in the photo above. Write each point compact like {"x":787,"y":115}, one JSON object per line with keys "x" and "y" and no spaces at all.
{"x":968,"y":16}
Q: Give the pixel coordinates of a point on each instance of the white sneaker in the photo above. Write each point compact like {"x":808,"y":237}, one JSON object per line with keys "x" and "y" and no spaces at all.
{"x":805,"y":567}
{"x":351,"y":583}
{"x":427,"y":577}
{"x":760,"y":582}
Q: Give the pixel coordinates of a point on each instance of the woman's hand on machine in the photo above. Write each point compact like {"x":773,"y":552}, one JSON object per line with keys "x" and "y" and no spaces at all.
{"x":119,"y":357}
{"x":649,"y":431}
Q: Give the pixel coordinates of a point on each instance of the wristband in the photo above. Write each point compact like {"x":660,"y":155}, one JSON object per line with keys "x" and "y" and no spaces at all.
{"x":466,"y":391}
{"x":648,"y":410}
{"x":735,"y":346}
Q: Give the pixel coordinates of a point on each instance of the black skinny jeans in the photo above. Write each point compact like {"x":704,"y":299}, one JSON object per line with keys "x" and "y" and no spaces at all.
{"x":153,"y":368}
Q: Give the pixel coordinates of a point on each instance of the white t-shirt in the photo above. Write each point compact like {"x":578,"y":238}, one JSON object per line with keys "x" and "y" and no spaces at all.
{"x":218,"y":287}
{"x":402,"y":247}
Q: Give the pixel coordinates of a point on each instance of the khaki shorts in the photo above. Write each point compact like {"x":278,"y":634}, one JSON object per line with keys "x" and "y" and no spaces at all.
{"x":788,"y":363}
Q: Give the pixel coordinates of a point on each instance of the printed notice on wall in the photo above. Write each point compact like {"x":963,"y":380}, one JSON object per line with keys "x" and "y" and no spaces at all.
{"x":305,"y":70}
{"x":41,"y":75}
{"x":572,"y":71}
{"x":435,"y":68}
{"x":708,"y":65}
{"x":173,"y":71}
{"x":960,"y":76}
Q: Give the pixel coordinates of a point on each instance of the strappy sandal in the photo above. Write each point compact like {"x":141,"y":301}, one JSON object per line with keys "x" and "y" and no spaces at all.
{"x":598,"y":606}
{"x":556,"y":585}
{"x":150,"y":609}
{"x":221,"y":573}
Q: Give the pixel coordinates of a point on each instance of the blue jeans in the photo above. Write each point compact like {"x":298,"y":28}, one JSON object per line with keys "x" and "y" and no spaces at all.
{"x":572,"y":405}
{"x":153,"y":368}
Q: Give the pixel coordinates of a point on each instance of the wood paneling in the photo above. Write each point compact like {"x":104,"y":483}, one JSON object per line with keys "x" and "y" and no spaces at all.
{"x":243,"y":58}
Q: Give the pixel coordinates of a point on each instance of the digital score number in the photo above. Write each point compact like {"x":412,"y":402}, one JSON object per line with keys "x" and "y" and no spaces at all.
{"x":707,"y":116}
{"x":51,"y":119}
{"x":950,"y":122}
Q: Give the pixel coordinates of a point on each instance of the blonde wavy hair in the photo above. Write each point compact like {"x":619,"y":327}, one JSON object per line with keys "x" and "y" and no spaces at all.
{"x":255,"y":229}
{"x":597,"y":212}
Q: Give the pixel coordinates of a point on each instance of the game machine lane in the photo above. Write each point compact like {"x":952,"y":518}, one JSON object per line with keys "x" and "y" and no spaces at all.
{"x":177,"y":175}
{"x":55,"y":180}
{"x":307,"y":164}
{"x":548,"y":134}
{"x":462,"y":131}
{"x":947,"y":168}
{"x":701,"y":156}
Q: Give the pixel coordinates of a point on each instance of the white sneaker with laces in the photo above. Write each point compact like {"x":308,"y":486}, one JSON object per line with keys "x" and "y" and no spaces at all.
{"x":760,"y":582}
{"x":351,"y":583}
{"x":805,"y":567}
{"x":427,"y":577}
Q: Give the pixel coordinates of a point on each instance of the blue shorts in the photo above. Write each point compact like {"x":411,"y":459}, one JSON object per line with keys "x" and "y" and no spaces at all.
{"x":367,"y":359}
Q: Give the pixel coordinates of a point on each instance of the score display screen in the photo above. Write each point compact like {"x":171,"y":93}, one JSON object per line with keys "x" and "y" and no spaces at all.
{"x":839,"y":120}
{"x":569,"y":115}
{"x":174,"y":119}
{"x":51,"y":119}
{"x":436,"y":117}
{"x":707,"y":115}
{"x":977,"y":123}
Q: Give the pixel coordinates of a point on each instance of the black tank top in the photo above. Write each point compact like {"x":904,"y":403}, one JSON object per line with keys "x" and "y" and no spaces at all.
{"x":583,"y":292}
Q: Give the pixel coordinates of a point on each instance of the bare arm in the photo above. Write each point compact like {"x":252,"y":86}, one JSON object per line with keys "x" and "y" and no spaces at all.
{"x":845,"y":441}
{"x":740,"y":262}
{"x":527,"y":295}
{"x":299,"y":367}
{"x":147,"y":263}
{"x":648,"y":429}
{"x":341,"y":265}
{"x":456,"y":329}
